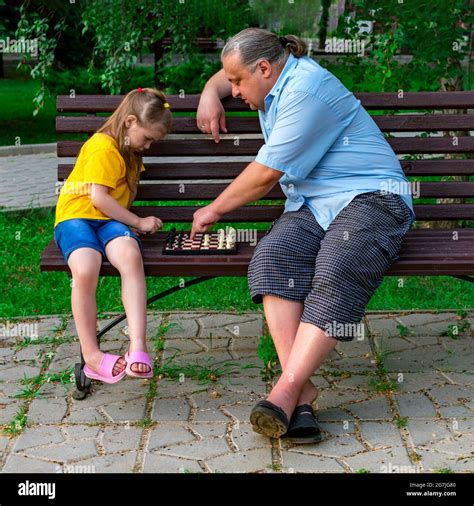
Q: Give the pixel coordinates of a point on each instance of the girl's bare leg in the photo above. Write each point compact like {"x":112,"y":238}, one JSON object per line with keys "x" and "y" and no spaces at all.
{"x":125,"y":255}
{"x":85,"y":266}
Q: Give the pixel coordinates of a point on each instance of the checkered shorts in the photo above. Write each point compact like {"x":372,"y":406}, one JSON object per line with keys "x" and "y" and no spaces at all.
{"x":334,"y":273}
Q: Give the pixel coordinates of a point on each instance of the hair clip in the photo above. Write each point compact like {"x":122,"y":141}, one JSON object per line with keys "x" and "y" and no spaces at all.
{"x":166,"y":105}
{"x":139,"y":90}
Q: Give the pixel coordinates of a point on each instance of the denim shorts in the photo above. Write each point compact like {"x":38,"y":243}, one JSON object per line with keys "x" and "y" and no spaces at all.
{"x":76,"y":233}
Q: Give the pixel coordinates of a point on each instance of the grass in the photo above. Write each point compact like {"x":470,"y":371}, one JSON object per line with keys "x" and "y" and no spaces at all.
{"x":400,"y":421}
{"x":267,"y":354}
{"x":204,"y":374}
{"x":25,"y":291}
{"x":454,"y":330}
{"x":382,"y":385}
{"x":16,"y":97}
{"x":33,"y":385}
{"x":18,"y":423}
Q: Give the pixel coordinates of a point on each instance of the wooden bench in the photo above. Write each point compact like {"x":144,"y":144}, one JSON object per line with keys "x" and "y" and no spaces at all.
{"x":425,"y":252}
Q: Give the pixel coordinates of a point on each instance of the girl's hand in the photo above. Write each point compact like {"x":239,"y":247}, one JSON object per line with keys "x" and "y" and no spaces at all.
{"x":149,"y":225}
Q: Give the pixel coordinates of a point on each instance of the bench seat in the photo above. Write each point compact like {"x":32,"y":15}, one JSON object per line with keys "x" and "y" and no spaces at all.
{"x":424,"y":252}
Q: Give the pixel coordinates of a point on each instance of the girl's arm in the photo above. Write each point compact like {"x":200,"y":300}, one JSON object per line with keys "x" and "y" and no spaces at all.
{"x":110,"y":207}
{"x":133,"y":194}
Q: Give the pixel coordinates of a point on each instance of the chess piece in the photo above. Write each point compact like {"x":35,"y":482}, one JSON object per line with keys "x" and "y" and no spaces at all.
{"x":230,"y":239}
{"x":206,"y":241}
{"x":221,"y":239}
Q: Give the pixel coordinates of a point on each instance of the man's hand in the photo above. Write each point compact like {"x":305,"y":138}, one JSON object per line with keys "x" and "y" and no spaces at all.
{"x":211,"y":115}
{"x":204,"y":218}
{"x":149,"y":225}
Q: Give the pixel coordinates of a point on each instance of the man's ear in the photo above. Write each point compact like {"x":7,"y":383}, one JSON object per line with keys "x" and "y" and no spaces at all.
{"x":265,"y":68}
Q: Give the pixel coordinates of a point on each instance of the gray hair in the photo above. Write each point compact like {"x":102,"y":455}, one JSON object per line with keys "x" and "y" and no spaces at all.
{"x":254,"y":44}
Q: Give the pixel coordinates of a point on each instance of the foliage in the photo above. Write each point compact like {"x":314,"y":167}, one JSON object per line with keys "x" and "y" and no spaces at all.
{"x":123,"y":31}
{"x":267,"y":354}
{"x":34,"y":27}
{"x":87,"y":81}
{"x":193,"y":72}
{"x":436,"y":43}
{"x":298,"y":17}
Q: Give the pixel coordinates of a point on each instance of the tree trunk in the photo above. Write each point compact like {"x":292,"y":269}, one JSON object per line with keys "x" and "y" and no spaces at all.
{"x":158,"y":52}
{"x":323,"y":24}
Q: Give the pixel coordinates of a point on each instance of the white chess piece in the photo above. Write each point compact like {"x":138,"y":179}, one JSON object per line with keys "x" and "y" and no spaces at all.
{"x":231,"y":236}
{"x":221,"y":238}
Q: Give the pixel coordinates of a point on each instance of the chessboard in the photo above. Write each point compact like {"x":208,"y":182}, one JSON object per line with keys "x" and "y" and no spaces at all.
{"x":212,"y":243}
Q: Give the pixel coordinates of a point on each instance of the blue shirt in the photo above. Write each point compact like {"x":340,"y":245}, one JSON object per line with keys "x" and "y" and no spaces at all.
{"x":325,"y":142}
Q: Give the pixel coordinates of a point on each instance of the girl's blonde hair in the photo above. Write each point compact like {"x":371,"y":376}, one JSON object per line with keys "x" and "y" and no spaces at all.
{"x":148,"y":105}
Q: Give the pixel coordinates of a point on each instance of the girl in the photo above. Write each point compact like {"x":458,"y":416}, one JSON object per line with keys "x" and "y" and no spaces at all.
{"x":93,"y":220}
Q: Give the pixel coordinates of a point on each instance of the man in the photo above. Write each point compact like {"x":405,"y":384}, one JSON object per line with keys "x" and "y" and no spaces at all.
{"x":323,"y":259}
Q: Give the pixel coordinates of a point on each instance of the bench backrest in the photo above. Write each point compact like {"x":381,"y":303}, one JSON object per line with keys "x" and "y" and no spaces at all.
{"x":183,"y":172}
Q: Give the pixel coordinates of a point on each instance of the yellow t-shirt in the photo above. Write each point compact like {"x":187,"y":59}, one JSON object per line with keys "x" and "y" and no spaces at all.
{"x":99,"y":162}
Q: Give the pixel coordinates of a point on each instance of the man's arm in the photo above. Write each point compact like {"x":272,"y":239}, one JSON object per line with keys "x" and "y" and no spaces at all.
{"x":210,"y":113}
{"x":218,"y":84}
{"x":251,"y":185}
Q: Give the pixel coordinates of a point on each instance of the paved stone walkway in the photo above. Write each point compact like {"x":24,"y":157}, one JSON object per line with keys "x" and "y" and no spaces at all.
{"x":28,"y":181}
{"x":398,"y":399}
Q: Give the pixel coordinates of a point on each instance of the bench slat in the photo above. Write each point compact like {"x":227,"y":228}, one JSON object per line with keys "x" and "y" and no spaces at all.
{"x":262,"y":214}
{"x":250,"y":147}
{"x":230,"y":170}
{"x":393,"y":123}
{"x":390,"y":101}
{"x":199,"y":191}
{"x":420,"y":255}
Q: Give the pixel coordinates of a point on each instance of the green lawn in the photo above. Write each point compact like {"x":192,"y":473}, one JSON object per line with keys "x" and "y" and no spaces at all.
{"x":17,"y":118}
{"x":25,"y":291}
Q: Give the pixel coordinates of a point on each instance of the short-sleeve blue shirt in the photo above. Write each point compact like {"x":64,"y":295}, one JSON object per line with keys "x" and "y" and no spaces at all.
{"x":325,"y":142}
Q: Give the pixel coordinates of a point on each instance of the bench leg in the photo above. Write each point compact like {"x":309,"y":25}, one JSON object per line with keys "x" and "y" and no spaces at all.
{"x":83,"y":384}
{"x":465,"y":278}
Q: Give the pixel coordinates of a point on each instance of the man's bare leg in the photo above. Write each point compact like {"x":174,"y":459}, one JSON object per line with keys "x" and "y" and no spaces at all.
{"x":283,"y":319}
{"x":310,"y":348}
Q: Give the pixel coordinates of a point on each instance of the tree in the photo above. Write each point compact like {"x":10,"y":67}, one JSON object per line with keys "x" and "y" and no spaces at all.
{"x":123,"y":30}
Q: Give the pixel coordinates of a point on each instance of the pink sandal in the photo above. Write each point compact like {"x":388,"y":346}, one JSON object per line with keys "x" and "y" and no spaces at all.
{"x":106,"y":369}
{"x":133,"y":357}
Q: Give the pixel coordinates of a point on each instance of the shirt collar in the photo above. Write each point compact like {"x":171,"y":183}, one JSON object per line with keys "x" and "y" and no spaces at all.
{"x":290,"y":64}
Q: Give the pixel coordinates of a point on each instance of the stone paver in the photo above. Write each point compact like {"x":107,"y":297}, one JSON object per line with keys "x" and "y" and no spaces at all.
{"x":18,"y":172}
{"x":193,"y":417}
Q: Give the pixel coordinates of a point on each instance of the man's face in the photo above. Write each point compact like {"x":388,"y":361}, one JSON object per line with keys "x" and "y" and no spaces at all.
{"x":252,"y":87}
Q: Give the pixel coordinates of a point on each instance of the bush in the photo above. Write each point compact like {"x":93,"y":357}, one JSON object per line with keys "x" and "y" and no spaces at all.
{"x":190,"y":75}
{"x":86,"y":82}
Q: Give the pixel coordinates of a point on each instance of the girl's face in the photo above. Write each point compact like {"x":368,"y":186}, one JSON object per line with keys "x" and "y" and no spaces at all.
{"x":139,"y":138}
